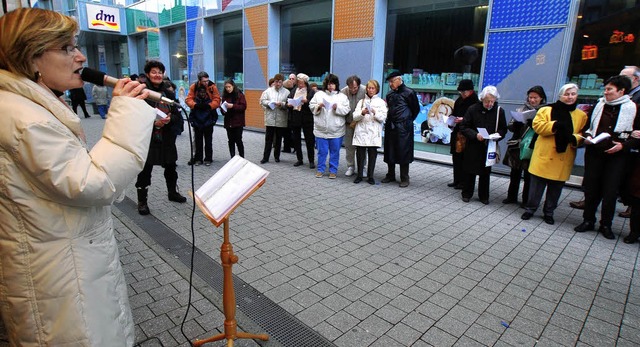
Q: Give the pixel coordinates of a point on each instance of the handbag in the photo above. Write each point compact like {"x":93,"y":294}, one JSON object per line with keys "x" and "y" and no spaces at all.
{"x":525,"y":144}
{"x":461,"y":142}
{"x":493,"y":156}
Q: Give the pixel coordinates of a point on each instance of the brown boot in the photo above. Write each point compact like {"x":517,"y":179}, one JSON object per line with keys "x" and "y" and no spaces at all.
{"x":625,"y":214}
{"x":577,"y":204}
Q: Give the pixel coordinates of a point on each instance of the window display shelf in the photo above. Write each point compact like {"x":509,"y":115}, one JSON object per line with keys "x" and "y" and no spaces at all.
{"x":596,"y":93}
{"x":434,"y":88}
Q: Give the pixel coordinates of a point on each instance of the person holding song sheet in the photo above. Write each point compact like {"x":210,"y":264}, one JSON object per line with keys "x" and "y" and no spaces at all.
{"x":369,"y":116}
{"x":604,"y":161}
{"x":488,"y":118}
{"x":536,"y":98}
{"x":301,"y":119}
{"x":274,"y":103}
{"x":60,"y":275}
{"x":329,"y":108}
{"x":162,"y":150}
{"x":234,"y":105}
{"x":557,"y":127}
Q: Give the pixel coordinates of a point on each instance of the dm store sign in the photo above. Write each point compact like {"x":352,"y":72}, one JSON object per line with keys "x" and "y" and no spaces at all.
{"x":103,"y":18}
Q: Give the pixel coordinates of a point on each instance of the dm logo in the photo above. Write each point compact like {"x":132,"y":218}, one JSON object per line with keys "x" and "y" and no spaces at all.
{"x":103,"y":18}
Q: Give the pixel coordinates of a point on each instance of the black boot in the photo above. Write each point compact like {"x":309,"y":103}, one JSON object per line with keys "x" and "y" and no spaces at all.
{"x":143,"y":209}
{"x":173,"y":193}
{"x":232,"y":149}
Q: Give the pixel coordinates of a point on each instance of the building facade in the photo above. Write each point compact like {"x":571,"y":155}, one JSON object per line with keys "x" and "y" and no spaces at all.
{"x":512,"y":44}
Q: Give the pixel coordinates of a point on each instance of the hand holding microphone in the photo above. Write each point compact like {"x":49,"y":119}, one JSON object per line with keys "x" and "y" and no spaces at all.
{"x":127,"y":87}
{"x":102,"y":79}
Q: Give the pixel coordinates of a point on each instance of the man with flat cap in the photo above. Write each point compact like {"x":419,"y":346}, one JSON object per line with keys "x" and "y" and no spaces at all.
{"x":398,"y":129}
{"x":467,"y":98}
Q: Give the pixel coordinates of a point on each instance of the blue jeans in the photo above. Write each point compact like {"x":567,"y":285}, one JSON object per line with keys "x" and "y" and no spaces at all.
{"x":102,"y":110}
{"x":331,"y":146}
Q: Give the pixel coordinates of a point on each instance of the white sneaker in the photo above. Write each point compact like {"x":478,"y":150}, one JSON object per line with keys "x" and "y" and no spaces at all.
{"x":349,"y":171}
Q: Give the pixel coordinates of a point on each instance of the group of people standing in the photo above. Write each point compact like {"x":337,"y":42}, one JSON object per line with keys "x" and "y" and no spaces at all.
{"x":610,"y":134}
{"x":353,"y":116}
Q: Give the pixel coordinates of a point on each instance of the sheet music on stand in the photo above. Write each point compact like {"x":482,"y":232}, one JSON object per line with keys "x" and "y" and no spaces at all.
{"x":228,"y":188}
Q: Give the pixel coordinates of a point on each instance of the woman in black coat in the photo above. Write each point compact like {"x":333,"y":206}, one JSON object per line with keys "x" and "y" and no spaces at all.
{"x":162,"y":150}
{"x":486,"y":114}
{"x":301,"y":120}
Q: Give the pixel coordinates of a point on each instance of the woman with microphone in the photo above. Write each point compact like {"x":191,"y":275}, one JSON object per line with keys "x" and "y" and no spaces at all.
{"x":61,"y":282}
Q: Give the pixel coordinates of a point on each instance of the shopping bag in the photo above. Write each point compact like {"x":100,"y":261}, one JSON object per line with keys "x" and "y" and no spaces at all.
{"x":525,"y":144}
{"x":492,"y":153}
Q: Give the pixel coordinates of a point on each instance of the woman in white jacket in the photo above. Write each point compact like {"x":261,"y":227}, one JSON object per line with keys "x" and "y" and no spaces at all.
{"x":369,"y":115}
{"x":329,"y":108}
{"x":61,"y":283}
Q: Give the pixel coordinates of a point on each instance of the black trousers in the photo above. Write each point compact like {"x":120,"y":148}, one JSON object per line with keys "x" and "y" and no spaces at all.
{"x":287,"y":139}
{"x":203,"y":134}
{"x":309,"y":139}
{"x":170,"y":176}
{"x":76,"y":103}
{"x":234,"y":136}
{"x":554,"y":189}
{"x":404,"y":171}
{"x":469,"y":184}
{"x":514,"y":184}
{"x":271,"y":134}
{"x":458,"y":172}
{"x":602,"y":175}
{"x":634,"y":220}
{"x":370,"y":154}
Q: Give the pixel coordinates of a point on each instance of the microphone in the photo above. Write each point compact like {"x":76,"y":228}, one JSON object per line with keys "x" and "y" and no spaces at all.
{"x":102,"y":79}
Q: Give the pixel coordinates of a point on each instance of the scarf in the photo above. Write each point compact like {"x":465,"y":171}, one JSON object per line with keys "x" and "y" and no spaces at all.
{"x":625,"y":117}
{"x":300,"y":92}
{"x":561,"y":114}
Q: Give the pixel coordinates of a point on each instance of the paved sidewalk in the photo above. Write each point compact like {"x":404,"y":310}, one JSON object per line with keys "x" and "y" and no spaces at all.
{"x":379,"y":265}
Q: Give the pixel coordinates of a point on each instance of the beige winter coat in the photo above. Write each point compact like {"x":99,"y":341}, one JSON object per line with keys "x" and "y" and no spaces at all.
{"x":277,"y":116}
{"x":61,"y":283}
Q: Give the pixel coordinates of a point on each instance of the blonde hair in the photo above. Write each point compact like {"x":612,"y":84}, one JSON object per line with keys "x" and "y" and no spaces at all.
{"x":26,"y":33}
{"x":375,"y":84}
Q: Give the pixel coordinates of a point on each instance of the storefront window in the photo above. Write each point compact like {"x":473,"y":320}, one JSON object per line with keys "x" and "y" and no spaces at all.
{"x":228,"y":51}
{"x":178,"y":51}
{"x":423,"y":38}
{"x":305,"y":39}
{"x":606,"y":39}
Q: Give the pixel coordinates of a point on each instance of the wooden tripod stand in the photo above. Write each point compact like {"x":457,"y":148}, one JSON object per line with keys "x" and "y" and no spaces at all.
{"x":228,"y":258}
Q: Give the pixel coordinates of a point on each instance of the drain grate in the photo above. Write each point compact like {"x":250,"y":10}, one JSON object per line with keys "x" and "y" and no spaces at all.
{"x":276,"y":321}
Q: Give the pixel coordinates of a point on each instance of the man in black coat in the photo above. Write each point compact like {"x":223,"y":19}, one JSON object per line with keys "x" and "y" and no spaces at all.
{"x":78,"y":96}
{"x":467,"y":98}
{"x":398,"y":129}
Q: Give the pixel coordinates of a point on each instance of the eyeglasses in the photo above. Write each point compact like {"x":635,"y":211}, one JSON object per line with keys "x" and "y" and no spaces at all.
{"x":69,"y":49}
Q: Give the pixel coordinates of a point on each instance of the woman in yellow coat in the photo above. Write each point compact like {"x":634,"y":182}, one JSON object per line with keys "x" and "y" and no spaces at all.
{"x":557,"y":128}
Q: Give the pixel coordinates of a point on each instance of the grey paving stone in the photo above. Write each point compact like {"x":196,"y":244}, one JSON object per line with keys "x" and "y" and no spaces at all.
{"x":327,"y":330}
{"x":336,"y":302}
{"x":482,"y":335}
{"x":404,"y":303}
{"x":390,"y":314}
{"x":282,"y":292}
{"x":601,"y":327}
{"x":592,"y":338}
{"x":355,"y":337}
{"x":306,"y":298}
{"x":155,"y":326}
{"x":516,"y":338}
{"x":438,"y":337}
{"x":315,"y":314}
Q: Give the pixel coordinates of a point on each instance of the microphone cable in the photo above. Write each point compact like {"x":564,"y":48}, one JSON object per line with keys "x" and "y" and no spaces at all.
{"x":193,"y":234}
